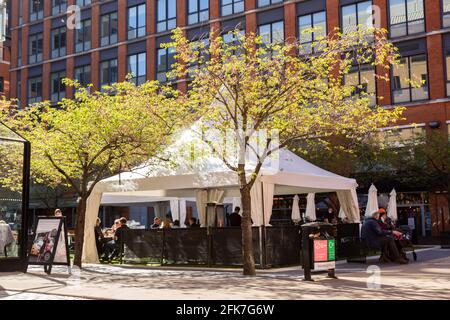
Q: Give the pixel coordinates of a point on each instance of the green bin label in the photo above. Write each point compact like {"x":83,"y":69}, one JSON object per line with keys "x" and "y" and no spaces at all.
{"x":331,"y":250}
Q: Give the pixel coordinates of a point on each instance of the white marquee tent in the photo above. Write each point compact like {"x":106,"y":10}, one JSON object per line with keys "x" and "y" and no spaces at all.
{"x":213,"y":182}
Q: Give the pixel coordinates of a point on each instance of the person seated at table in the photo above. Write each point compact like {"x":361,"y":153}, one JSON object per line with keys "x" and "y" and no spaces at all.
{"x":114,"y":248}
{"x":378,"y":239}
{"x":115,"y":225}
{"x":386,"y":223}
{"x":156,"y":223}
{"x":167,"y":222}
{"x":176,"y":224}
{"x":192,"y":223}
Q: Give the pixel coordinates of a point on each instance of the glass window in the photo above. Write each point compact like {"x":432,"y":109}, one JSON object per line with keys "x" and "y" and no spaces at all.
{"x":19,"y":48}
{"x":108,"y":72}
{"x":410,"y":79}
{"x":447,"y":66}
{"x":108,"y":29}
{"x":58,"y":89}
{"x":316,"y":21}
{"x":82,"y":3}
{"x":36,"y":9}
{"x":228,"y":7}
{"x":35,"y":48}
{"x":20,"y":4}
{"x":406,"y":17}
{"x":198,"y":11}
{"x":137,"y":66}
{"x":166,"y":15}
{"x":263,"y":3}
{"x":354,"y":15}
{"x":83,"y":75}
{"x":445,"y":13}
{"x":34,"y":90}
{"x":272,"y":33}
{"x":232,"y":39}
{"x":362,"y":78}
{"x":136,"y":21}
{"x":166,"y":58}
{"x":59,"y":6}
{"x":397,"y":137}
{"x":83,"y":36}
{"x":58,"y":42}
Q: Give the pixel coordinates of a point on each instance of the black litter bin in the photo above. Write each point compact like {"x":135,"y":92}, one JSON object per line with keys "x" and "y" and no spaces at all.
{"x":318,"y":249}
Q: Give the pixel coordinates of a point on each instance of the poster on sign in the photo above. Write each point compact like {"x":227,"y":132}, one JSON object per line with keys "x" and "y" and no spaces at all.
{"x":324,"y":254}
{"x":49,"y":246}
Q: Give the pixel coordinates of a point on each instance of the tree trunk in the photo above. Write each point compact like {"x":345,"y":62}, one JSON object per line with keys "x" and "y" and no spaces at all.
{"x":247,"y":238}
{"x":79,"y":230}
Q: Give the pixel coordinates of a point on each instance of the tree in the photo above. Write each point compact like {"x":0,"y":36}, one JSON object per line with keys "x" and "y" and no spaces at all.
{"x":269,"y":97}
{"x":95,"y":135}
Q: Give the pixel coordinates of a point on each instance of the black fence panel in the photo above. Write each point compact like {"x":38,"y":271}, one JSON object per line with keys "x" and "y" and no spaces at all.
{"x":283,"y":245}
{"x":143,"y":246}
{"x":227,"y":246}
{"x":186,"y":246}
{"x":347,"y":240}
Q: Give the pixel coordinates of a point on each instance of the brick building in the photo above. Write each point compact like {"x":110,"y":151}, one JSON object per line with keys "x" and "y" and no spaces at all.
{"x":4,"y":50}
{"x":119,"y":37}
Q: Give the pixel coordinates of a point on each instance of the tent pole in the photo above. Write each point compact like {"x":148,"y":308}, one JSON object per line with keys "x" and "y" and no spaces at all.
{"x":262,"y":233}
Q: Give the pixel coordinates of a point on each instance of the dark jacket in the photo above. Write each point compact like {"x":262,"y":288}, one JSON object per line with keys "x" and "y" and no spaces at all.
{"x":235,"y":219}
{"x":120,"y":233}
{"x":371,"y":232}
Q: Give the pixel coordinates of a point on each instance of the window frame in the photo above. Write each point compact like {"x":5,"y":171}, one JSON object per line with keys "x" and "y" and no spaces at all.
{"x":197,"y":13}
{"x":138,"y":79}
{"x":271,"y":3}
{"x":61,"y":92}
{"x":163,"y":73}
{"x":233,"y":4}
{"x":61,"y":50}
{"x":109,"y":68}
{"x":84,"y":45}
{"x":58,"y":8}
{"x":407,"y":22}
{"x":392,"y":90}
{"x":35,"y":15}
{"x":110,"y":38}
{"x":38,"y":98}
{"x":167,"y":19}
{"x":311,"y":15}
{"x":359,"y":69}
{"x":83,"y":68}
{"x":356,"y":4}
{"x":138,"y":28}
{"x":38,"y":38}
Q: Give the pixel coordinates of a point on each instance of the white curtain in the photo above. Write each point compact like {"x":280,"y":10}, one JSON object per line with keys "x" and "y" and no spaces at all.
{"x":392,"y":206}
{"x":295,"y":215}
{"x":311,"y":207}
{"x":182,"y":212}
{"x":257,"y":203}
{"x":349,"y":204}
{"x":90,"y":254}
{"x":215,"y":195}
{"x":342,"y":213}
{"x":268,"y":191}
{"x":174,"y":209}
{"x":372,"y":201}
{"x":201,"y":200}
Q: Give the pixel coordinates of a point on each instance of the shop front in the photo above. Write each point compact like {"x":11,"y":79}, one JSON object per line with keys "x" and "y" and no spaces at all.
{"x":14,"y":194}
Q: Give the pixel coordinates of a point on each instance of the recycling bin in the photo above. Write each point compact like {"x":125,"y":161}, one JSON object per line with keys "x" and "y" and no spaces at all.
{"x":318,"y":249}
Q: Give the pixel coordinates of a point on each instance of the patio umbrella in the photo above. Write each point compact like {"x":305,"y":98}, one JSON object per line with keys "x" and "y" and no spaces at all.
{"x":295,"y":216}
{"x":392,"y":205}
{"x":372,"y":201}
{"x":311,"y":207}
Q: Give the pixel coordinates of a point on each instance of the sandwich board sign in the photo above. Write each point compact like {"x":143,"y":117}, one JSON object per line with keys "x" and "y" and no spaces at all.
{"x":49,"y":245}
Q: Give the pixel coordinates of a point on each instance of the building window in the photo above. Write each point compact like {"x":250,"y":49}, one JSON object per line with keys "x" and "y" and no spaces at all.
{"x":316,"y":21}
{"x":272,"y":33}
{"x":2,"y":84}
{"x":136,"y":21}
{"x":20,"y":4}
{"x":108,"y":72}
{"x":19,"y":48}
{"x":19,"y":90}
{"x":58,"y":42}
{"x":83,"y":75}
{"x":198,"y":11}
{"x":137,"y":66}
{"x":108,"y":29}
{"x":83,"y":36}
{"x":410,"y":79}
{"x":233,"y":39}
{"x":446,"y":13}
{"x":82,"y":3}
{"x":447,"y":65}
{"x":36,"y":9}
{"x":58,"y":89}
{"x":264,"y":3}
{"x":166,"y":58}
{"x":59,"y":6}
{"x":35,"y":47}
{"x":397,"y":137}
{"x":166,"y":15}
{"x":362,"y":78}
{"x":228,"y":7}
{"x":354,"y":15}
{"x":406,"y":17}
{"x":34,"y":90}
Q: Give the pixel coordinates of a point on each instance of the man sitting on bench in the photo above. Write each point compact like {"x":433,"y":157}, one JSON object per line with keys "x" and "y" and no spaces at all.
{"x":378,"y":239}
